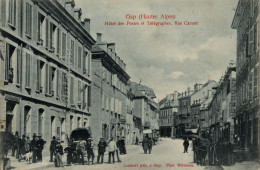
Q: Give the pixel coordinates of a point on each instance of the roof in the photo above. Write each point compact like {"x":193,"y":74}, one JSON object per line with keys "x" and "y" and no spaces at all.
{"x":139,"y":87}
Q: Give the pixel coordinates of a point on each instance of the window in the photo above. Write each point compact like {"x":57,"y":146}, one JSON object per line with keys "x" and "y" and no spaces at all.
{"x":28,"y":71}
{"x":28,"y":22}
{"x":64,"y":87}
{"x":58,"y":41}
{"x":79,"y":91}
{"x":71,"y":89}
{"x":79,"y":57}
{"x":63,"y":45}
{"x":40,"y":28}
{"x":57,"y":83}
{"x":52,"y":34}
{"x":85,"y":71}
{"x":19,"y":66}
{"x":38,"y":79}
{"x":8,"y":63}
{"x":72,"y":52}
{"x":12,"y":12}
{"x":255,"y":81}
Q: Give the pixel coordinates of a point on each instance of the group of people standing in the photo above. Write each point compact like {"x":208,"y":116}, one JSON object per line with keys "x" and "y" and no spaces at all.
{"x":77,"y":149}
{"x":23,"y":146}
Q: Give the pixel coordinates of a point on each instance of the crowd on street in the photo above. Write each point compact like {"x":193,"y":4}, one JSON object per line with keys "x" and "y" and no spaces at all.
{"x":30,"y":151}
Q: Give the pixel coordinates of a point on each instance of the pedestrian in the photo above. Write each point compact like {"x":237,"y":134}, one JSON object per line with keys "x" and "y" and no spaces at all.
{"x":136,"y":141}
{"x":53,"y":148}
{"x":123,"y":145}
{"x":90,"y":152}
{"x":28,"y":145}
{"x":150,"y":145}
{"x":34,"y":148}
{"x":101,"y":150}
{"x":145,"y":144}
{"x":118,"y":150}
{"x":80,"y":148}
{"x":58,"y":155}
{"x":40,"y":144}
{"x":186,"y":145}
{"x":14,"y":144}
{"x":23,"y":149}
{"x":69,"y":151}
{"x":118,"y":144}
{"x":111,"y":148}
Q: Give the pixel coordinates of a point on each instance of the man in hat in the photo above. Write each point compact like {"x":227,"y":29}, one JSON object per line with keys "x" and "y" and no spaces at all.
{"x":90,"y":152}
{"x":80,"y":151}
{"x":101,"y":149}
{"x":34,"y":148}
{"x":69,"y":151}
{"x":40,"y":143}
{"x":53,"y":148}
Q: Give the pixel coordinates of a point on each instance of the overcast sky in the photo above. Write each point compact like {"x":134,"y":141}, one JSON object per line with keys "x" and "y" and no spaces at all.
{"x":168,"y":58}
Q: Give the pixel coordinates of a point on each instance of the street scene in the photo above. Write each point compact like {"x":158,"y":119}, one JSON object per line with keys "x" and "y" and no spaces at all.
{"x":119,"y":85}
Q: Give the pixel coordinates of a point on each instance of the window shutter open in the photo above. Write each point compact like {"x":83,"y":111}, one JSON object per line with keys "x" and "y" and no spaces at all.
{"x":46,"y":78}
{"x":89,"y":96}
{"x":38,"y":80}
{"x":6,"y":53}
{"x":47,"y":33}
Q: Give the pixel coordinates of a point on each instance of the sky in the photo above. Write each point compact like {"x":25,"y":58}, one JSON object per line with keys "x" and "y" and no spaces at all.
{"x":168,"y":58}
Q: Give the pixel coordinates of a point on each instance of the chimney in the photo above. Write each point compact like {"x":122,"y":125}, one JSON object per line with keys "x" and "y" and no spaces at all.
{"x":175,"y":97}
{"x":86,"y":24}
{"x":112,"y":46}
{"x":188,"y":89}
{"x":99,"y":35}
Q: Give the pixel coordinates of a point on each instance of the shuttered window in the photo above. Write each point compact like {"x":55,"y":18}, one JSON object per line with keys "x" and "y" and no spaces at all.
{"x":7,"y":61}
{"x":28,"y":71}
{"x":51,"y":75}
{"x":12,"y":12}
{"x":72,"y":52}
{"x":19,"y":66}
{"x":79,"y":91}
{"x":38,"y":79}
{"x":89,"y":96}
{"x":64,"y":87}
{"x":84,"y":62}
{"x":46,"y":78}
{"x":47,"y":34}
{"x":28,"y":21}
{"x":84,"y":96}
{"x":63,"y":45}
{"x":79,"y":57}
{"x":255,"y":81}
{"x":71,"y":89}
{"x":57,"y":83}
{"x":58,"y":41}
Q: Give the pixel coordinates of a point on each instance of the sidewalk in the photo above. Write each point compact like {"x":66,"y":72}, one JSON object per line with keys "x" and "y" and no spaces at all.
{"x":45,"y":161}
{"x":248,"y":165}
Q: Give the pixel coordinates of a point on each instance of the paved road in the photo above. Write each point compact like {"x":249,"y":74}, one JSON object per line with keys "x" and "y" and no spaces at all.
{"x":166,"y":154}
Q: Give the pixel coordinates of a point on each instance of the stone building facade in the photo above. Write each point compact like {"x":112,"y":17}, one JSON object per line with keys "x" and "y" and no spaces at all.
{"x":45,"y":68}
{"x":247,"y":123}
{"x":109,"y":92}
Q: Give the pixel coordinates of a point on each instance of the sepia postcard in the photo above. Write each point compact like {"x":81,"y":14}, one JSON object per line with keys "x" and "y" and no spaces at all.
{"x":129,"y":84}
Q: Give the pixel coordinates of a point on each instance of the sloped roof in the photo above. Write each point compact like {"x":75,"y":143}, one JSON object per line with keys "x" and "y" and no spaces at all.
{"x":141,"y":87}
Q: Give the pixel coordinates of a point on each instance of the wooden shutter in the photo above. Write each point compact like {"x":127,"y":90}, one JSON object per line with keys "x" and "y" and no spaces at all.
{"x":50,"y":80}
{"x":57,"y":83}
{"x":89,"y":96}
{"x":38,"y":79}
{"x":39,"y":26}
{"x":51,"y":35}
{"x":46,"y":78}
{"x":58,"y":41}
{"x":63,"y":45}
{"x":7,"y":60}
{"x":84,"y":96}
{"x":71,"y":89}
{"x":79,"y":57}
{"x":47,"y":33}
{"x":28,"y":65}
{"x":79,"y":91}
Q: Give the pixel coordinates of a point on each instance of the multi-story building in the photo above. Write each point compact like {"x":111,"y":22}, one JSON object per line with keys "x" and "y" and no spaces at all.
{"x":223,"y":106}
{"x":108,"y":94}
{"x":167,"y":114}
{"x":45,"y":68}
{"x":145,"y":112}
{"x":189,"y":106}
{"x":246,"y":22}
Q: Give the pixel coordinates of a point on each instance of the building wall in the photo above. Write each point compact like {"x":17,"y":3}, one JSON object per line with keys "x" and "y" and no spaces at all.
{"x":36,"y":97}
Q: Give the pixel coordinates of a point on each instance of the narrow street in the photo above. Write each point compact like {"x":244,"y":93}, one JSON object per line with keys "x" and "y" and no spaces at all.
{"x":167,"y":153}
